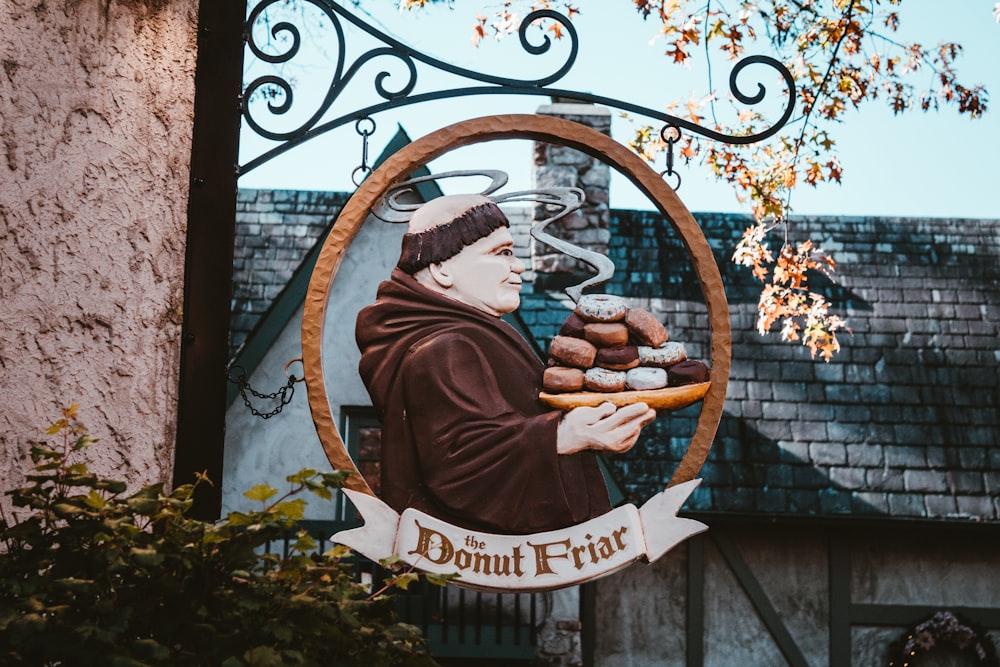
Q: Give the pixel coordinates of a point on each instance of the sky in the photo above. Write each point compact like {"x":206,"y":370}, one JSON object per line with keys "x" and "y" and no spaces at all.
{"x":936,"y":164}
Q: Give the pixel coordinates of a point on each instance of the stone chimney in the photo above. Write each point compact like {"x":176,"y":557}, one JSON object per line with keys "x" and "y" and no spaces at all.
{"x":559,"y":166}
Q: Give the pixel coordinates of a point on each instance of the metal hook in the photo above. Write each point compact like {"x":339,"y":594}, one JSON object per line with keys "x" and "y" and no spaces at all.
{"x":674,"y":136}
{"x":670,"y":172}
{"x":365,"y":132}
{"x":292,"y":376}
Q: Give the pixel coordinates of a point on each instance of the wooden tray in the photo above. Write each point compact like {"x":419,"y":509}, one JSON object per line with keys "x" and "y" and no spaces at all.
{"x":668,"y":398}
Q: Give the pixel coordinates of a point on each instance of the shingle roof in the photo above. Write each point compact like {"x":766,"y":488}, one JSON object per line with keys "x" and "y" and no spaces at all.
{"x":275,"y":230}
{"x":903,"y":422}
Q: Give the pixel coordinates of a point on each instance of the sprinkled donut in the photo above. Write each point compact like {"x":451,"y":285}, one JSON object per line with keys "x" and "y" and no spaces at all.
{"x":666,"y":355}
{"x":601,"y":308}
{"x":601,"y":379}
{"x":644,"y":378}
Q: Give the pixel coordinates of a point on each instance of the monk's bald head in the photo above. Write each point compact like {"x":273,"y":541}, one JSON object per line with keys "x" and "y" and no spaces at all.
{"x":442,"y":227}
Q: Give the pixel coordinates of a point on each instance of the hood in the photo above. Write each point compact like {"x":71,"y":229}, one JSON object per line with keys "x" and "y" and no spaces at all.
{"x":404,"y":313}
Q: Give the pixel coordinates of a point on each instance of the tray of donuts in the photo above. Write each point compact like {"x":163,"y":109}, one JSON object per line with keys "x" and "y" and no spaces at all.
{"x":608,"y":352}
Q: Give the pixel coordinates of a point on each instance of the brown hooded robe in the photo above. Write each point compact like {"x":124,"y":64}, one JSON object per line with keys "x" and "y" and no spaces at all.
{"x":464,"y":436}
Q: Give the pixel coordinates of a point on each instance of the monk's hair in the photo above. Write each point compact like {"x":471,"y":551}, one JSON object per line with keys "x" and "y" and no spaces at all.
{"x":447,"y":240}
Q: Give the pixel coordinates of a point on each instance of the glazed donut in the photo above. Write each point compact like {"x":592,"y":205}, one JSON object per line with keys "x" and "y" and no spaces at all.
{"x":687,"y":372}
{"x":601,"y":379}
{"x":644,"y":328}
{"x":665,"y":355}
{"x":601,"y":308}
{"x":646,"y":378}
{"x":573,"y":326}
{"x":573,"y":351}
{"x":606,"y":334}
{"x":617,"y":358}
{"x":561,"y":378}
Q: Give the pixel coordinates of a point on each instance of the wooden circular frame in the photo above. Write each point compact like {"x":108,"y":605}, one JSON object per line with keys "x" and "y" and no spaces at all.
{"x":492,"y":128}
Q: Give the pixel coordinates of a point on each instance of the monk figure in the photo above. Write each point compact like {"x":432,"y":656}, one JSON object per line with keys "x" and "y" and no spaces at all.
{"x":464,"y":436}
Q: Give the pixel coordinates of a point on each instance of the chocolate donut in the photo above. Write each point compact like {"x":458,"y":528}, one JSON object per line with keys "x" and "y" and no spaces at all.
{"x":561,"y":378}
{"x":573,"y":326}
{"x":606,"y":334}
{"x":573,"y":351}
{"x":646,"y":377}
{"x":644,"y":328}
{"x":687,"y":372}
{"x":617,"y":358}
{"x":601,"y":379}
{"x":601,"y":308}
{"x":665,"y":355}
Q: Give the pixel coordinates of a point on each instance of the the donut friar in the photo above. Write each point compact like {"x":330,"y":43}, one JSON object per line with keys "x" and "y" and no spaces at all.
{"x":644,"y":328}
{"x":574,"y":352}
{"x":562,"y":378}
{"x":606,"y":334}
{"x":601,"y":308}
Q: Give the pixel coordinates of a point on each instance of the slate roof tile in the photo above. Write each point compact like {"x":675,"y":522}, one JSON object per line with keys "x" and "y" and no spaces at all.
{"x":904,"y":422}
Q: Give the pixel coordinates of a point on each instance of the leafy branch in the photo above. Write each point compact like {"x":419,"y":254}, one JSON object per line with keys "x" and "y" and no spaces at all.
{"x":842,"y":55}
{"x":93,"y":574}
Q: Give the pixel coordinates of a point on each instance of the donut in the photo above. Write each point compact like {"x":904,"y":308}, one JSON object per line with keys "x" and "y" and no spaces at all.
{"x":601,"y":379}
{"x":687,"y":372}
{"x":573,"y":351}
{"x":606,"y":334}
{"x":669,"y":353}
{"x":617,"y":358}
{"x":644,"y":328}
{"x":561,"y":378}
{"x":601,"y":308}
{"x":646,"y":377}
{"x":573,"y":326}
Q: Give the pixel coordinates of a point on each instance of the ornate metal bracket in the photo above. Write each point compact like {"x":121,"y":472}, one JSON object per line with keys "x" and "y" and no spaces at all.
{"x":276,"y":87}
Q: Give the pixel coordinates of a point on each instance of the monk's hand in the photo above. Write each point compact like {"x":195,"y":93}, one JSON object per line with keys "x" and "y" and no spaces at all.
{"x":604,"y":428}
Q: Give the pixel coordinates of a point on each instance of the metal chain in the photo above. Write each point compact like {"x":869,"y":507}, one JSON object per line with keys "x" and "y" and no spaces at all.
{"x":673,"y":138}
{"x":361,"y":172}
{"x":283,"y":395}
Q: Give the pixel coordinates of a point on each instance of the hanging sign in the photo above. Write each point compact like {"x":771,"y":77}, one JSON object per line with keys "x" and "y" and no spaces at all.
{"x":468,"y":442}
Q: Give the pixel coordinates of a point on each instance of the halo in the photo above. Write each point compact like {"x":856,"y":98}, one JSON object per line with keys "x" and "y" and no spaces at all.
{"x":491,"y":128}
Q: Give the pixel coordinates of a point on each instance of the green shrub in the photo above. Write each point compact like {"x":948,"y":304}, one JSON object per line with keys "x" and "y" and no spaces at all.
{"x":91,"y":575}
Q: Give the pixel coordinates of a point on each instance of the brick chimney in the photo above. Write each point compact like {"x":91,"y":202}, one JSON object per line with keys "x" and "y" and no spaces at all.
{"x":559,"y":166}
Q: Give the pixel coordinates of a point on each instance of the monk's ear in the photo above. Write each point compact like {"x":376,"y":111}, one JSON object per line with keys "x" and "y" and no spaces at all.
{"x":441,"y":275}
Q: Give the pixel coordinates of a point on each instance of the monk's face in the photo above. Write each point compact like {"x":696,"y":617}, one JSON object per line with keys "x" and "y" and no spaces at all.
{"x":486,"y":275}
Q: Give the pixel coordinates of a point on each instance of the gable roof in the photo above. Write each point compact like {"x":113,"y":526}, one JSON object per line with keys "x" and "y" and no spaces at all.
{"x":279,"y":235}
{"x":903,"y":422}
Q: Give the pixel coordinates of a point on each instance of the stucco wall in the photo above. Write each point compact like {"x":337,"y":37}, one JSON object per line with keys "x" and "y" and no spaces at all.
{"x":96,"y":112}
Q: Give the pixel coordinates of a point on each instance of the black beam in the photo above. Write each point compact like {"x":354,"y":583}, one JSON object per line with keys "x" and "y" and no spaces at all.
{"x":768,"y":614}
{"x":839,"y":583}
{"x":695,"y":622}
{"x":588,"y":623}
{"x":201,"y":405}
{"x":906,"y":615}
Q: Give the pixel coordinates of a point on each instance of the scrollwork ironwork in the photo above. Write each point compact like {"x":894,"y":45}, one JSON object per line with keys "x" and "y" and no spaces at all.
{"x":274,"y":86}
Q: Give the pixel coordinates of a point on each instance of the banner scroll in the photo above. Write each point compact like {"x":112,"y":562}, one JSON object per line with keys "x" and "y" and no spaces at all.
{"x":540,"y":561}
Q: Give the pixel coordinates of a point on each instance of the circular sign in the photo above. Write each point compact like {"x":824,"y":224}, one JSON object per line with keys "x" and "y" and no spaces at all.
{"x":548,"y":129}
